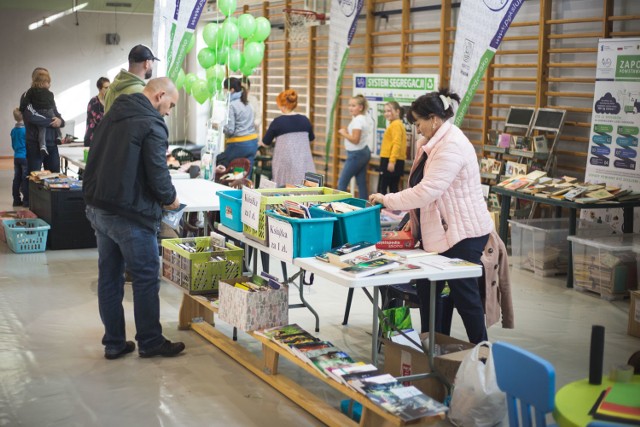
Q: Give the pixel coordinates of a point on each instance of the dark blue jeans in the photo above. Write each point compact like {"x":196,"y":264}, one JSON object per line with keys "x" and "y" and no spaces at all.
{"x":356,"y":165}
{"x":20,"y":182}
{"x":464,"y":295}
{"x":235,"y":150}
{"x":123,"y":241}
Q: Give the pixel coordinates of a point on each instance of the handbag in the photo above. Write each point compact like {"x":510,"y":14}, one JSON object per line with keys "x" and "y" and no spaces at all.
{"x":477,"y":400}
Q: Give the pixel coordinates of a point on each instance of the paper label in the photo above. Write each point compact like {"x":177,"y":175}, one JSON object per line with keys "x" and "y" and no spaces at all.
{"x":280,"y":239}
{"x":251,"y":207}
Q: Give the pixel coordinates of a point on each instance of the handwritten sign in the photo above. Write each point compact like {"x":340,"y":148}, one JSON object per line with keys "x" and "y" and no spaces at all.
{"x":267,"y":183}
{"x":250,"y":207}
{"x":280,"y":239}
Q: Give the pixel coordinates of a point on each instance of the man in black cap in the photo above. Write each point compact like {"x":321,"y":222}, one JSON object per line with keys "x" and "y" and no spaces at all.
{"x":130,"y":81}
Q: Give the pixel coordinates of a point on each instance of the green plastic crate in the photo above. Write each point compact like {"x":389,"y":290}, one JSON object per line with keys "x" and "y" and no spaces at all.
{"x":272,"y":197}
{"x":193,"y":270}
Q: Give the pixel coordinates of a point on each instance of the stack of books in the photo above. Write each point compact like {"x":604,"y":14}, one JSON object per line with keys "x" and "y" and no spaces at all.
{"x":619,"y":403}
{"x":407,"y":402}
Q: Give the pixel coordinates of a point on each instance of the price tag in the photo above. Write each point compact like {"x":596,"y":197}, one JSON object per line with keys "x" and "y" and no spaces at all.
{"x":280,"y":239}
{"x":251,"y":207}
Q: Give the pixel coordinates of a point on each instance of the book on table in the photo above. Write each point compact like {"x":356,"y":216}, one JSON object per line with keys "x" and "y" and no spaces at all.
{"x":343,"y":373}
{"x":333,"y":359}
{"x":444,"y":263}
{"x":369,"y":268}
{"x":619,"y":402}
{"x":342,"y":254}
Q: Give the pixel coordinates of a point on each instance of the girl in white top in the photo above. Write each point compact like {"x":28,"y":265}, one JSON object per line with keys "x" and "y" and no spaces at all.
{"x":356,"y":137}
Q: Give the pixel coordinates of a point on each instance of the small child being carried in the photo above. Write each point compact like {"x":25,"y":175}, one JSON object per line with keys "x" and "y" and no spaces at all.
{"x":41,"y":99}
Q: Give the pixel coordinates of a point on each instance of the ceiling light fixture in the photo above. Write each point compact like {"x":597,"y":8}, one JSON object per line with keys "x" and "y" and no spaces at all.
{"x":50,"y":19}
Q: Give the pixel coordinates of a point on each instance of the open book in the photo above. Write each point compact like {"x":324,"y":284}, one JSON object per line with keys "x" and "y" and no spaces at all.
{"x":172,"y":217}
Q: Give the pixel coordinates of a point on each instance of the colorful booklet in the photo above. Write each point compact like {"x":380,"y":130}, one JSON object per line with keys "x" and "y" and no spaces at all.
{"x":369,"y":268}
{"x":620,"y":402}
{"x":342,"y":254}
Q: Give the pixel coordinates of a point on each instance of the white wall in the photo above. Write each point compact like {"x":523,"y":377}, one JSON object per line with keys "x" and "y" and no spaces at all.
{"x":76,"y":56}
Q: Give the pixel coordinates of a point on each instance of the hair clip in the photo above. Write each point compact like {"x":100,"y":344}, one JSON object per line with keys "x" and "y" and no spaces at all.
{"x":446,"y":102}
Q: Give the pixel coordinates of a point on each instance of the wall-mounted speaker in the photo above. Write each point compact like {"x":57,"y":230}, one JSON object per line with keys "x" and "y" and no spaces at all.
{"x":113,"y":38}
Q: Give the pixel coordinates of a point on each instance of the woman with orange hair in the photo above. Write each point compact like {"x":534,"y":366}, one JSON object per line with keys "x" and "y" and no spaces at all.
{"x":293,"y":135}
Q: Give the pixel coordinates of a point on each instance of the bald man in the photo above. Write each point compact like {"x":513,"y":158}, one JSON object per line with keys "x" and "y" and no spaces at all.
{"x":126,"y":185}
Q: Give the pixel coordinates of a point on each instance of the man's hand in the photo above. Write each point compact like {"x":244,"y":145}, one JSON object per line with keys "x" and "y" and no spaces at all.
{"x":56,"y":122}
{"x":172,"y":206}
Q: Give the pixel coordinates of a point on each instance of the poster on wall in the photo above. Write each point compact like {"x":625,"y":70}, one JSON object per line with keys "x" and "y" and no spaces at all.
{"x":615,"y":123}
{"x":382,"y":88}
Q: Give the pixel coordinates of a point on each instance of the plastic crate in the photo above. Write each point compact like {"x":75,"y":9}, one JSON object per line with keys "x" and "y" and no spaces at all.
{"x":607,"y":266}
{"x":231,"y":209}
{"x":195,"y":271}
{"x":362,"y":225}
{"x":26,"y":235}
{"x":311,"y":236}
{"x":271,"y":197}
{"x":540,"y":245}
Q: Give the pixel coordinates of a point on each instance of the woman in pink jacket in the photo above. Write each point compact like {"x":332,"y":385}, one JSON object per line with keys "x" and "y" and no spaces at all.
{"x":448,"y":211}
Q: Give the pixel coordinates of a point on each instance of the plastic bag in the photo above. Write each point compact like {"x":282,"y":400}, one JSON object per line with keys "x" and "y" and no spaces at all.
{"x":477,"y":400}
{"x":399,"y":317}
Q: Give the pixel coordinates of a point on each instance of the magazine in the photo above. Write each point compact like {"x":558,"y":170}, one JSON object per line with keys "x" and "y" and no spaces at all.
{"x":369,"y":268}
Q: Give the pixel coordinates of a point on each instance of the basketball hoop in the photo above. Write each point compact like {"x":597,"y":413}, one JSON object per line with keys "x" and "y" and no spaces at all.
{"x":297,"y":23}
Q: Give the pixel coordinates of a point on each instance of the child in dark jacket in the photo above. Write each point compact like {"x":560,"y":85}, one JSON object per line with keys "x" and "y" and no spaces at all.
{"x":41,"y":99}
{"x":19,"y":145}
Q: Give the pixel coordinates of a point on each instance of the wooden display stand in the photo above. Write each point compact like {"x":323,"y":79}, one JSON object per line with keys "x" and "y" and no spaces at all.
{"x":195,"y":306}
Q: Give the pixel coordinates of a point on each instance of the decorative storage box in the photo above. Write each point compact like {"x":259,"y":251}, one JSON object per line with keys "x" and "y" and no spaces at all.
{"x":607,"y":266}
{"x":362,"y":225}
{"x":26,"y":235}
{"x":540,"y":245}
{"x":249,"y":311}
{"x":195,"y":271}
{"x":311,"y":236}
{"x":271,"y":197}
{"x":231,"y":209}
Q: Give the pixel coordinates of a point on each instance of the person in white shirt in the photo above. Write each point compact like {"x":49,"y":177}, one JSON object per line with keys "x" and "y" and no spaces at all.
{"x":356,"y":137}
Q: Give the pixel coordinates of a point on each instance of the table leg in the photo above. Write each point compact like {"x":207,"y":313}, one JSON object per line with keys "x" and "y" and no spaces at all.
{"x":306,"y":304}
{"x":432,"y":322}
{"x":504,"y":217}
{"x":374,"y":327}
{"x":627,"y":217}
{"x":572,"y":232}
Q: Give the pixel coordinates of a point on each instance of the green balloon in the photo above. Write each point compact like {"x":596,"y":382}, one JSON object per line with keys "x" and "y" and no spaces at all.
{"x":180,"y":79}
{"x":222,"y":55}
{"x":253,"y":54}
{"x":192,"y":43}
{"x":246,"y":71}
{"x":229,"y":33}
{"x":232,"y":19}
{"x":188,"y":82}
{"x":214,"y":85}
{"x":227,"y":7}
{"x":263,"y":29}
{"x":206,"y":57}
{"x":200,"y":91}
{"x":246,"y":25}
{"x":235,"y":59}
{"x":209,"y":34}
{"x":219,"y":72}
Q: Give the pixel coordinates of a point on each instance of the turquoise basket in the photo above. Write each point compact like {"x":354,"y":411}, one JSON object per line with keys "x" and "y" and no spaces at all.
{"x":311,"y":236}
{"x":362,"y":225}
{"x":26,"y":235}
{"x":231,"y":209}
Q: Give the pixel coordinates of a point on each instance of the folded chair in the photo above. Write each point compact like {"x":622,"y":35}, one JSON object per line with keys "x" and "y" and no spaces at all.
{"x":529,"y":382}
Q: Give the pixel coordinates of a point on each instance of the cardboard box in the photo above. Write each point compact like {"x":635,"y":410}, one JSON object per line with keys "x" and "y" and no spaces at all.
{"x":400,"y":360}
{"x":249,"y":311}
{"x":634,"y":314}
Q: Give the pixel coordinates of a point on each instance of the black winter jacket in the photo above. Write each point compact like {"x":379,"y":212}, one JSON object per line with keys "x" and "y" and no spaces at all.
{"x":126,"y":171}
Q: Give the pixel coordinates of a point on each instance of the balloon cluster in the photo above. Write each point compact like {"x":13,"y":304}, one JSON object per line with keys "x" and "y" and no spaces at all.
{"x":222,"y":52}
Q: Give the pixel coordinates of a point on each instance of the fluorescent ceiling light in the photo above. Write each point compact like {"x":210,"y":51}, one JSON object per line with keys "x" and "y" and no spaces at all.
{"x":50,"y":19}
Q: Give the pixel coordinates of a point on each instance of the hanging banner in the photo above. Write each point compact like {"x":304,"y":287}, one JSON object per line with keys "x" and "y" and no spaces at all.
{"x":382,"y":88}
{"x":174,"y":23}
{"x":344,"y":20}
{"x":477,"y":44}
{"x":615,"y":124}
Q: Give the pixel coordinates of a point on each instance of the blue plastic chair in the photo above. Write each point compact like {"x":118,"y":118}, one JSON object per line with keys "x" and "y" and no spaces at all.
{"x":528,"y":380}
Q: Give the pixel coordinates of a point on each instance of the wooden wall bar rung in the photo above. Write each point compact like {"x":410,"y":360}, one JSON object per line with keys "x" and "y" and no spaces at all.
{"x":571,"y":64}
{"x":517,"y":52}
{"x":574,"y":50}
{"x":572,"y":79}
{"x":513,"y":79}
{"x":624,"y":18}
{"x":575,"y":36}
{"x":570,"y":94}
{"x":625,"y":33}
{"x":528,"y":65}
{"x":573,"y":20}
{"x":514,"y":92}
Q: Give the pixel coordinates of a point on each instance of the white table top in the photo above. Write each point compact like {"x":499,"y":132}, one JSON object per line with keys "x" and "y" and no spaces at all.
{"x":74,"y":155}
{"x":198,"y":194}
{"x":333,"y":273}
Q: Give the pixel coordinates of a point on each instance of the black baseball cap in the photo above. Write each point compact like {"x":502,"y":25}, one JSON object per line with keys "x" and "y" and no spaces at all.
{"x":141,"y":53}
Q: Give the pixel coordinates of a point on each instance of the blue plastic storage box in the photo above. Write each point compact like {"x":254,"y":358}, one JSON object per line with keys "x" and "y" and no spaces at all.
{"x":26,"y":235}
{"x":362,"y":225}
{"x":311,"y":236}
{"x":231,"y":209}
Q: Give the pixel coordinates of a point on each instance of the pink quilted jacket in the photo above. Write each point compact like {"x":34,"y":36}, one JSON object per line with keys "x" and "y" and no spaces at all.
{"x":449,"y":196}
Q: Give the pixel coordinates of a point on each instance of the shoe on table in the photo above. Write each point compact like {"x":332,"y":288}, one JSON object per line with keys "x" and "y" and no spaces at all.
{"x":128,"y":348}
{"x":166,"y":349}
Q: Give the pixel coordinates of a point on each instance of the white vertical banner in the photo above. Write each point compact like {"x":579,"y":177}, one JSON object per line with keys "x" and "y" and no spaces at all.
{"x":615,"y":124}
{"x":476,"y":44}
{"x":343,"y":23}
{"x":174,"y":23}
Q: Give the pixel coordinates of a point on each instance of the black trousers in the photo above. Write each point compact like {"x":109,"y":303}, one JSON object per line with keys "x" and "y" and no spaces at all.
{"x":464,"y":295}
{"x":388,"y":181}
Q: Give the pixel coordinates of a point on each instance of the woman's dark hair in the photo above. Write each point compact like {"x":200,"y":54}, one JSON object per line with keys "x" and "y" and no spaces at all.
{"x":235,"y":84}
{"x":102,"y":81}
{"x":394,"y":105}
{"x":432,"y":104}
